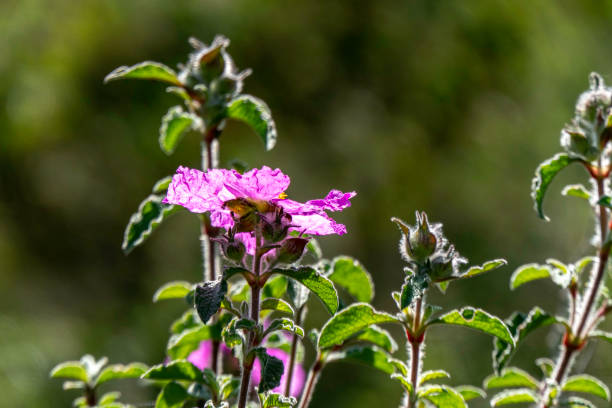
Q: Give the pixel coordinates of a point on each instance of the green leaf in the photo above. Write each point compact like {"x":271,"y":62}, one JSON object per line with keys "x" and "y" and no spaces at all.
{"x":432,"y":375}
{"x":520,"y":325}
{"x":587,"y":384}
{"x":284,"y":324}
{"x":145,"y":70}
{"x":151,"y":212}
{"x":92,"y":366}
{"x":175,"y":124}
{"x":161,"y":185}
{"x":513,"y":397}
{"x":378,"y":337}
{"x":298,"y":293}
{"x":275,"y":287}
{"x":277,"y":305}
{"x":576,"y":402}
{"x":271,"y":370}
{"x":109,"y":397}
{"x":413,"y":288}
{"x":182,"y":344}
{"x":348,"y":322}
{"x":178,"y":370}
{"x":352,"y":276}
{"x":228,"y":387}
{"x":73,"y":370}
{"x":511,"y":377}
{"x":255,"y":113}
{"x":188,"y":320}
{"x":272,"y":400}
{"x":528,"y":273}
{"x":485,"y":267}
{"x":544,"y":175}
{"x":477,"y":319}
{"x":370,"y":356}
{"x":208,"y":297}
{"x":404,"y":381}
{"x":546,"y":365}
{"x":469,"y":392}
{"x":173,"y":290}
{"x":442,"y":396}
{"x":120,"y":371}
{"x":318,"y":284}
{"x":172,"y":395}
{"x":600,"y":334}
{"x":576,"y":190}
{"x":605,"y":201}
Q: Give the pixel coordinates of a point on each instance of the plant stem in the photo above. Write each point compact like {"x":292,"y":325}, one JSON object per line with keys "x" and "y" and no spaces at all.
{"x":294,"y":343}
{"x":415,"y":351}
{"x":210,"y":160}
{"x":576,"y":337}
{"x":311,"y":382}
{"x":247,"y":367}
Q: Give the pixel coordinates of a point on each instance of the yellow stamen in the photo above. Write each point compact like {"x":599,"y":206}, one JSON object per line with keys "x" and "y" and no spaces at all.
{"x":282,"y":195}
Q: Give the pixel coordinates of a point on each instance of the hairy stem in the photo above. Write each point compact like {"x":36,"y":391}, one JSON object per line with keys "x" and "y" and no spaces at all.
{"x":311,"y":382}
{"x":575,"y":337}
{"x":247,"y":366}
{"x":415,"y":352}
{"x":210,"y":160}
{"x":294,"y":343}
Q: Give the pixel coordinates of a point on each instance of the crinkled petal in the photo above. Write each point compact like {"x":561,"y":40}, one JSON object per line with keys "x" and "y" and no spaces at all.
{"x":317,"y":224}
{"x":197,"y":191}
{"x":259,"y":184}
{"x":335,"y":200}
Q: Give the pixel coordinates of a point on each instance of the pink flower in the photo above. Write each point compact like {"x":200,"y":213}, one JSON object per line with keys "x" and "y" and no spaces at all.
{"x":226,"y":193}
{"x":202,"y":356}
{"x":299,"y":376}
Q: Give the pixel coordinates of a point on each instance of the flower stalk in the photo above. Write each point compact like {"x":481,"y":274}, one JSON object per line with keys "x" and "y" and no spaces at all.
{"x":292,"y":356}
{"x":311,"y":382}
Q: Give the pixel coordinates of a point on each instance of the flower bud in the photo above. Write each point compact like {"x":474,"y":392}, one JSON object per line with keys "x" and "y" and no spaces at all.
{"x":593,"y":104}
{"x":277,"y":229}
{"x":576,"y":144}
{"x":441,"y":268}
{"x":291,"y":250}
{"x":234,"y":250}
{"x":417,"y":243}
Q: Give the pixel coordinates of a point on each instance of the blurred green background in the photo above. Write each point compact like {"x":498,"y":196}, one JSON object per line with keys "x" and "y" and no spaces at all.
{"x":444,"y":106}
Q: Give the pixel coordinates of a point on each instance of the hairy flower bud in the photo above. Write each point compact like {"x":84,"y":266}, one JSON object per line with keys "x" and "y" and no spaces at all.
{"x":417,"y":243}
{"x":576,"y":144}
{"x":234,"y":250}
{"x":596,"y":101}
{"x":277,"y":228}
{"x":291,"y":250}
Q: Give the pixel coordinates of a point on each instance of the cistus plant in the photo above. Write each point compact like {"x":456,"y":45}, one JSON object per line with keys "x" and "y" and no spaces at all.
{"x":431,"y":261}
{"x":586,"y":142}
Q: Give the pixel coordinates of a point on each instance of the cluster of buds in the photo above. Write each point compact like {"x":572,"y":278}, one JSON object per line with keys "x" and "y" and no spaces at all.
{"x":211,"y":77}
{"x":427,"y":251}
{"x":590,"y":130}
{"x":261,"y":218}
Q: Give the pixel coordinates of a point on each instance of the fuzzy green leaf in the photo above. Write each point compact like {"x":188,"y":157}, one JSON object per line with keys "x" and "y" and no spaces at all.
{"x":151,"y":212}
{"x":318,"y":284}
{"x":485,"y":267}
{"x":404,"y":381}
{"x":477,"y":319}
{"x":73,"y":370}
{"x":576,"y":190}
{"x":120,"y":371}
{"x":469,"y":392}
{"x":208,"y":297}
{"x":172,"y":395}
{"x":173,"y":290}
{"x":352,"y":276}
{"x":277,"y":305}
{"x":178,"y":370}
{"x":285,"y":324}
{"x":587,"y":384}
{"x":513,"y":397}
{"x":545,"y":365}
{"x":182,"y":344}
{"x":602,"y":335}
{"x":272,"y":400}
{"x":109,"y":397}
{"x":577,"y":402}
{"x":161,"y":185}
{"x":544,"y":175}
{"x":432,"y":375}
{"x":255,"y":113}
{"x":370,"y":356}
{"x":442,"y":396}
{"x":175,"y":124}
{"x":511,"y":377}
{"x":377,"y":336}
{"x":271,"y":370}
{"x":528,"y":273}
{"x":145,"y":70}
{"x":348,"y":322}
{"x":520,"y":325}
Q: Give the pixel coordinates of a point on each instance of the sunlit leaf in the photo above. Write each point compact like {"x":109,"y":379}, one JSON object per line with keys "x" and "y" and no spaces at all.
{"x":318,"y":284}
{"x":513,"y":397}
{"x":175,"y":124}
{"x":352,"y":276}
{"x":145,"y":70}
{"x":370,"y":356}
{"x":509,"y":378}
{"x":477,"y":319}
{"x":255,"y":113}
{"x":587,"y":384}
{"x":544,"y":175}
{"x":172,"y":290}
